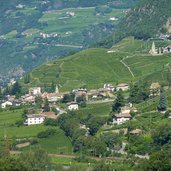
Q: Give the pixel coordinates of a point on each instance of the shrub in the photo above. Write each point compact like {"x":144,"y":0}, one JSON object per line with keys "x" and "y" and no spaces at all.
{"x":47,"y":133}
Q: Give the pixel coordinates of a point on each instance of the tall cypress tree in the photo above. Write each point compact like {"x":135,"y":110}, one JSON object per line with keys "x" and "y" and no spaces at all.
{"x":119,"y":102}
{"x":162,"y":102}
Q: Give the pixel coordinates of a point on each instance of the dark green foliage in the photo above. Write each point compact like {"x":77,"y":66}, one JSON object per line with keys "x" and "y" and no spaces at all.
{"x":46,"y":106}
{"x":139,"y":92}
{"x":162,"y":134}
{"x":162,"y":102}
{"x":50,"y":122}
{"x":27,"y":79}
{"x":68,"y":98}
{"x":102,"y":166}
{"x":119,"y":102}
{"x":16,"y":89}
{"x":29,"y":161}
{"x":53,"y":87}
{"x":47,"y":133}
{"x":81,"y":100}
{"x":139,"y":144}
{"x":38,"y":101}
{"x":160,"y":160}
{"x":94,"y":124}
{"x":19,"y":123}
{"x":144,"y":21}
{"x":112,"y":140}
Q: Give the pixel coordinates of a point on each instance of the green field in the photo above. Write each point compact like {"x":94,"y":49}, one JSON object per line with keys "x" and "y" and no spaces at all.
{"x":94,"y":67}
{"x":58,"y":143}
{"x":98,"y":110}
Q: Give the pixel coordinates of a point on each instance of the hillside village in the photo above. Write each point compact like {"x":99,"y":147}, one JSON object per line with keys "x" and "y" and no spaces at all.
{"x":117,"y":117}
{"x":85,"y":85}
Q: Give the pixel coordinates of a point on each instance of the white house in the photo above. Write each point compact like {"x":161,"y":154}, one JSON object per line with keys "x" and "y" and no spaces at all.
{"x":123,"y":87}
{"x":35,"y":91}
{"x":72,"y":106}
{"x":109,"y":87}
{"x":113,"y":19}
{"x":34,"y":119}
{"x":121,"y":118}
{"x":5,"y":104}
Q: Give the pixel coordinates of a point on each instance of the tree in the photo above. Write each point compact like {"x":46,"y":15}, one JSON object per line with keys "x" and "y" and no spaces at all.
{"x":38,"y":101}
{"x":46,"y":106}
{"x":81,"y":100}
{"x":112,"y":140}
{"x":160,"y":160}
{"x":27,"y":79}
{"x":68,"y":98}
{"x":119,"y":102}
{"x":161,"y":135}
{"x":16,"y":89}
{"x":139,"y":92}
{"x":102,"y":166}
{"x":53,"y":87}
{"x":162,"y":102}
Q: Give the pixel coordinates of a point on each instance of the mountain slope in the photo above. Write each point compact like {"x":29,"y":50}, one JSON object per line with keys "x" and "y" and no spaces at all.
{"x":146,"y":19}
{"x":128,"y":61}
{"x":35,"y":31}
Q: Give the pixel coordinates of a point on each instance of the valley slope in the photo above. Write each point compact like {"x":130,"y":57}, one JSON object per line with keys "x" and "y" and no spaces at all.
{"x":127,"y":61}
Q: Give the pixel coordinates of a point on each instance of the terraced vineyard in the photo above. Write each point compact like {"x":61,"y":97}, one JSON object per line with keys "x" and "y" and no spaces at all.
{"x":94,"y":67}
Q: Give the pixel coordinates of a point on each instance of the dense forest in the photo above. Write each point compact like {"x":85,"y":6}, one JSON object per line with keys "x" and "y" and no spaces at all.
{"x":145,"y":20}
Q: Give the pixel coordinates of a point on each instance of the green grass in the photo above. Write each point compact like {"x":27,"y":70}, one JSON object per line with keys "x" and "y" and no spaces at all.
{"x":57,"y":144}
{"x":10,"y":117}
{"x":98,"y":110}
{"x":11,"y":34}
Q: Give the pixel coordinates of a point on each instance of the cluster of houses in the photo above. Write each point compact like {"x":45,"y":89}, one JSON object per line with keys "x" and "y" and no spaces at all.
{"x":46,"y":35}
{"x":31,"y":119}
{"x":96,"y":94}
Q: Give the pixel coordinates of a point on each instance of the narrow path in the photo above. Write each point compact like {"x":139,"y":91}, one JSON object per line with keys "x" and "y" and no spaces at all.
{"x":71,"y":156}
{"x":60,"y":45}
{"x":122,"y":61}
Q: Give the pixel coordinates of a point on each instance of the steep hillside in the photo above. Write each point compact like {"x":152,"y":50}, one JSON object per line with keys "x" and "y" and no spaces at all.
{"x":128,"y":61}
{"x":32,"y":32}
{"x":148,"y":18}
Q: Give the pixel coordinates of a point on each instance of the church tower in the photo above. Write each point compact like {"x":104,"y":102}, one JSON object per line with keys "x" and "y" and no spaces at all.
{"x":153,"y":49}
{"x":57,"y":89}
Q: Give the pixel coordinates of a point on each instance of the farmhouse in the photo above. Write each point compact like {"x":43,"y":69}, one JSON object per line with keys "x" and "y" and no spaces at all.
{"x":121,"y":118}
{"x":35,"y":91}
{"x":34,"y":119}
{"x":70,"y":14}
{"x":123,"y":87}
{"x":72,"y":106}
{"x":5,"y":104}
{"x":28,"y":98}
{"x":52,"y":97}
